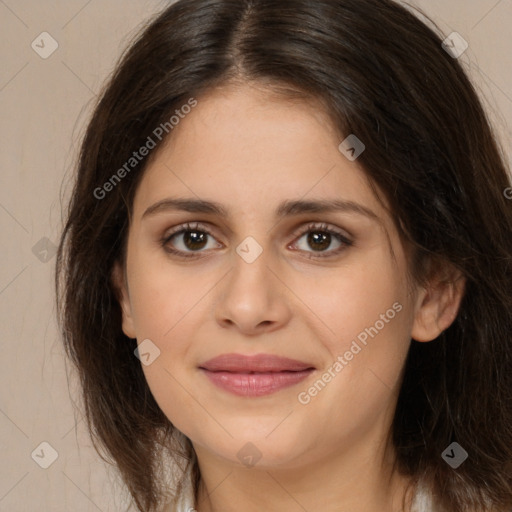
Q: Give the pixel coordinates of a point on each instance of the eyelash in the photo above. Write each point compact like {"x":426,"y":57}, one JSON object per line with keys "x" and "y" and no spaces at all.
{"x":312,"y":227}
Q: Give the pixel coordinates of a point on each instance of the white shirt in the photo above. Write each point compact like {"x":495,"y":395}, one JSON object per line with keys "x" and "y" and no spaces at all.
{"x":186,"y":499}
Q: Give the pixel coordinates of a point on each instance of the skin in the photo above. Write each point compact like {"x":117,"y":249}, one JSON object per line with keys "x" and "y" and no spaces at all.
{"x":250,"y":150}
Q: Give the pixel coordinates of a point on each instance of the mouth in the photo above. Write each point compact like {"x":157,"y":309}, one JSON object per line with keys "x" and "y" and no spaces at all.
{"x":256,"y":375}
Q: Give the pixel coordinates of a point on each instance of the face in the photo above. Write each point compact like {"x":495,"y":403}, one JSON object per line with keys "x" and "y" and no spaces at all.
{"x":325,"y":288}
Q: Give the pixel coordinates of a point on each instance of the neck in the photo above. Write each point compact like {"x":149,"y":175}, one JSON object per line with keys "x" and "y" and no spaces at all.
{"x":358,"y":479}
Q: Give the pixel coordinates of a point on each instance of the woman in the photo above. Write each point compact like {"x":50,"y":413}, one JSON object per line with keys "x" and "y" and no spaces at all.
{"x":285,"y":277}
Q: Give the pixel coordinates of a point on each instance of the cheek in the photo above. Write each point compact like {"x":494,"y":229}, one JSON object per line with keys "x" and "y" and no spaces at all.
{"x":367,"y":322}
{"x":165,"y":304}
{"x":352,"y":299}
{"x":166,"y":311}
{"x":162,"y":293}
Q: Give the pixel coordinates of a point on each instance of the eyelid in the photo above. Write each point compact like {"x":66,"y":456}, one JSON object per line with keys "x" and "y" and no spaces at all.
{"x":187,"y":226}
{"x":323,"y":226}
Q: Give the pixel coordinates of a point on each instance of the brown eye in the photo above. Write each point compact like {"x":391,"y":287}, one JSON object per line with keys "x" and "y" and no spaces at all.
{"x":320,"y":238}
{"x":192,"y":240}
{"x":186,"y":240}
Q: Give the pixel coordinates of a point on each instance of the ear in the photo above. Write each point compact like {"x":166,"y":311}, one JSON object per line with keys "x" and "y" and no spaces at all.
{"x":123,"y":297}
{"x":438,"y":303}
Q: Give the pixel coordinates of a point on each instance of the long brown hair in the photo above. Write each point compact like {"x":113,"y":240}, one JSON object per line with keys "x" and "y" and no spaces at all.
{"x":382,"y":74}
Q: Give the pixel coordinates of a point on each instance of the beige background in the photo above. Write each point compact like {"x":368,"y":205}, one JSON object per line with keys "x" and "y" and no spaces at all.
{"x":44,"y":105}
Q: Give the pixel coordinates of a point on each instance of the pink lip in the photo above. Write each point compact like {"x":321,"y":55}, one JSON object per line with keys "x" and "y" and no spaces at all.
{"x":256,"y":375}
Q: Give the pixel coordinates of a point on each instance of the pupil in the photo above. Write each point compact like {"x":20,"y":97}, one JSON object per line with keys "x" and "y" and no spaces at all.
{"x":314,"y":239}
{"x":193,"y":236}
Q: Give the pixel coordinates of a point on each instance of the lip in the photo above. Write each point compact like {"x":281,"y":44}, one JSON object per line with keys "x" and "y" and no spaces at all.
{"x":255,"y":375}
{"x":240,"y":363}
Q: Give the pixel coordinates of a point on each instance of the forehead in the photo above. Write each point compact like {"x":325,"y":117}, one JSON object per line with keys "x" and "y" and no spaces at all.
{"x":237,"y":122}
{"x":250,"y":150}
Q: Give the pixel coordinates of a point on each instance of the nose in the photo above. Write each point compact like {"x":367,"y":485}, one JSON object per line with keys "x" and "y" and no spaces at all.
{"x":252,"y":298}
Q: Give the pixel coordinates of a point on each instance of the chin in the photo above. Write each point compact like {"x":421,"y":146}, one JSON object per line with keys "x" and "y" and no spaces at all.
{"x":252,"y":449}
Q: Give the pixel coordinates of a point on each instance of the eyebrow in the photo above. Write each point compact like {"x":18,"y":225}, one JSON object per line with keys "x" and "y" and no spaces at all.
{"x":285,"y":209}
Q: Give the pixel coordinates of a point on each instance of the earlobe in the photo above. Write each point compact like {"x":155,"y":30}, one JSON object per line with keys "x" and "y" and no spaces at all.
{"x":121,"y":289}
{"x":438,"y":305}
